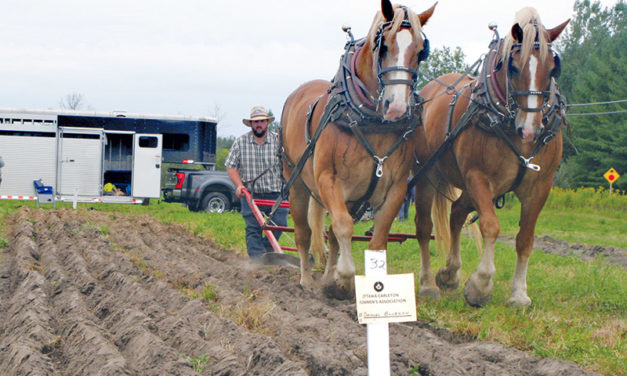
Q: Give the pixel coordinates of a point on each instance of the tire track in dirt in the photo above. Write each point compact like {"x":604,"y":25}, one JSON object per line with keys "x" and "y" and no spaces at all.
{"x":87,"y":292}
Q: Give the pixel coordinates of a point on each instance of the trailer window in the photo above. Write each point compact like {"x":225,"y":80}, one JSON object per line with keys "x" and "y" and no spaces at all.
{"x":176,"y":141}
{"x":148,"y":142}
{"x":27,"y":134}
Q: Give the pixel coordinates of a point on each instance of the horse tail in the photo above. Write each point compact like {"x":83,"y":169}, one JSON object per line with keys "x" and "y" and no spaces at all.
{"x":441,"y":217}
{"x":476,"y":234}
{"x":315,"y":218}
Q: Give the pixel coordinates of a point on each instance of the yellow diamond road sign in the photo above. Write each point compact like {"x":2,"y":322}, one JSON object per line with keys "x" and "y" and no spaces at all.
{"x":611,"y":175}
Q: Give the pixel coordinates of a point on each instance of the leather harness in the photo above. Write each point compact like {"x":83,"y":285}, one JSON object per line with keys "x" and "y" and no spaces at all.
{"x":484,"y":109}
{"x":353,"y":109}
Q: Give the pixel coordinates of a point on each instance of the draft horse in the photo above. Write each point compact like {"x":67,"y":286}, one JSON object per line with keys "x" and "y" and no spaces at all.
{"x":350,"y":142}
{"x":492,"y":134}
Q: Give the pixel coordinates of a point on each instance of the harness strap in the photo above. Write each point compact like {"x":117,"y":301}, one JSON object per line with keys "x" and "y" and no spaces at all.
{"x":359,"y":205}
{"x":329,"y":109}
{"x":461,"y":125}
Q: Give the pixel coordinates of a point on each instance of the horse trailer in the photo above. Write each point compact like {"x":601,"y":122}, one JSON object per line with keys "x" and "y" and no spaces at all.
{"x":95,"y":156}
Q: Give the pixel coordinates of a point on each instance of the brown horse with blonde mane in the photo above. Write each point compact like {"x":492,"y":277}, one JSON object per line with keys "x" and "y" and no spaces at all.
{"x":349,"y":143}
{"x":495,"y":133}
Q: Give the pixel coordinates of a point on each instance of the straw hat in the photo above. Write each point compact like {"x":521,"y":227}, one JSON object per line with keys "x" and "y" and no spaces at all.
{"x":258,"y":113}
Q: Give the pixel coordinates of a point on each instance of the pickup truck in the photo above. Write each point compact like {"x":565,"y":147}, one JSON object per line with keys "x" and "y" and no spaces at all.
{"x":201,"y":190}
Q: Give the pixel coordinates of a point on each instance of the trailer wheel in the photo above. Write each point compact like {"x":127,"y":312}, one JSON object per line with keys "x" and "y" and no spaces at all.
{"x":215,"y":202}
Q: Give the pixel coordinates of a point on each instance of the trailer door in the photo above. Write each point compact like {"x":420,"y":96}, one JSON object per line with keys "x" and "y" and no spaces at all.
{"x":146,"y":180}
{"x":80,"y":161}
{"x":27,"y":156}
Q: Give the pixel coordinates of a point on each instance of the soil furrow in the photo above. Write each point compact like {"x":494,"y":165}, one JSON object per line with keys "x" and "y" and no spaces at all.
{"x":88,"y":292}
{"x":154,"y":357}
{"x":25,"y":319}
{"x":81,"y":344}
{"x":257,"y":348}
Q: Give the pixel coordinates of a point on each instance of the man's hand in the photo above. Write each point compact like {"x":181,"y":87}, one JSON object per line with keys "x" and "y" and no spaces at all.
{"x":239,"y":191}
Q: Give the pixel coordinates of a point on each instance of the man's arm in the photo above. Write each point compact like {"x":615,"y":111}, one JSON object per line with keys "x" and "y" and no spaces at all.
{"x":237,"y":180}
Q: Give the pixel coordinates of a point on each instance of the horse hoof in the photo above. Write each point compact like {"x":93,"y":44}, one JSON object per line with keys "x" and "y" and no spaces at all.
{"x":429,"y":292}
{"x":474,"y":297}
{"x":307,"y":285}
{"x":442,"y":284}
{"x":520,"y":301}
{"x":333,"y":291}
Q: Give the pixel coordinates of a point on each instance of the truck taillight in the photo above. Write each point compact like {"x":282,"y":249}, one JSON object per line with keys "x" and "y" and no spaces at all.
{"x":180,"y":177}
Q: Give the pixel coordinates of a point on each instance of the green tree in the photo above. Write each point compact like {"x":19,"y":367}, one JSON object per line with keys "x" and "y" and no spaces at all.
{"x":275,"y":126}
{"x":441,"y":61}
{"x":594,"y":52}
{"x":225,"y":142}
{"x":221,"y":155}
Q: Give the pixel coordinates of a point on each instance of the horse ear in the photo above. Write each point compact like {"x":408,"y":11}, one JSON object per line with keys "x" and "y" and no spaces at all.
{"x":387,"y":10}
{"x":557,"y":30}
{"x":517,"y":33}
{"x":424,"y":16}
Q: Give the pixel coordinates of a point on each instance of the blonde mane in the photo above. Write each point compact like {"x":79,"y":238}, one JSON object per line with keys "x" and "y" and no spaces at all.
{"x":527,"y":18}
{"x":399,"y":16}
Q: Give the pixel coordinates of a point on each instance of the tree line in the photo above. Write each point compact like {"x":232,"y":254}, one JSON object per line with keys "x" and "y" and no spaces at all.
{"x":593,"y":53}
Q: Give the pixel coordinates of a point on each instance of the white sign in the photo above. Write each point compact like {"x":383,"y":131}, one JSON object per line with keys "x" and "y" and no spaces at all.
{"x":385,"y":298}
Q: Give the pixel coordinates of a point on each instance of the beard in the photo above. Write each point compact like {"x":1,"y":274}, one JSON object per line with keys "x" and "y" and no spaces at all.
{"x":260,"y":133}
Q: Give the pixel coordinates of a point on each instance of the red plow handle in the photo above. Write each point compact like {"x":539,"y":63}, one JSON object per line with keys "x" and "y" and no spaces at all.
{"x":262,"y":222}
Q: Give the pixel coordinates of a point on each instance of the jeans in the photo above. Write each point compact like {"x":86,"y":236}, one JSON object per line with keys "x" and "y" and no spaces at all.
{"x":256,"y":243}
{"x":404,"y":212}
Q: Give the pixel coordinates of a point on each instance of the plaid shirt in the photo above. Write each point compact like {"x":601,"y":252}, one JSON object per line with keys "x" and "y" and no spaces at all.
{"x":251,"y":159}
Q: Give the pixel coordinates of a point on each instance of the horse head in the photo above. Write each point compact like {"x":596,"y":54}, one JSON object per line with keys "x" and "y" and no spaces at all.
{"x":396,"y":45}
{"x":531,"y":67}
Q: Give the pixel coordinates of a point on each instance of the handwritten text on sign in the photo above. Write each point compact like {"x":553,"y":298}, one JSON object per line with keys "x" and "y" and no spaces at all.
{"x":385,"y":298}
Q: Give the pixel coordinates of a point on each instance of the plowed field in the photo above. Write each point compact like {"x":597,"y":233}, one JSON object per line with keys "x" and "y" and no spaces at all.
{"x":92,"y":293}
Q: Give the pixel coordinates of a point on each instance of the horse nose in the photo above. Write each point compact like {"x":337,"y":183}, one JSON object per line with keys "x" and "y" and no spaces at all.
{"x":519,"y":130}
{"x":394,"y":110}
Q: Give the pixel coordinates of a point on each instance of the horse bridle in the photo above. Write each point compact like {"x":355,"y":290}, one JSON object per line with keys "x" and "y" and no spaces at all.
{"x":510,"y":103}
{"x":552,"y":115}
{"x":380,"y":50}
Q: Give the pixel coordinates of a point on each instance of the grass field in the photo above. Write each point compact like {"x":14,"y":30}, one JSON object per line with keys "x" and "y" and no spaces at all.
{"x":579,"y":310}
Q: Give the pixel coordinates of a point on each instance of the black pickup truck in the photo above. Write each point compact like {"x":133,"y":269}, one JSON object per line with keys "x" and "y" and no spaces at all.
{"x":201,"y":190}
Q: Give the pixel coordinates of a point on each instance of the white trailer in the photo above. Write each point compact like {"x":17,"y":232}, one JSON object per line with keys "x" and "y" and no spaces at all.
{"x":78,"y":153}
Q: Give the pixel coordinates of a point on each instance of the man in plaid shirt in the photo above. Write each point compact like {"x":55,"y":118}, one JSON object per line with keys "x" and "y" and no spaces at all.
{"x":253,"y":164}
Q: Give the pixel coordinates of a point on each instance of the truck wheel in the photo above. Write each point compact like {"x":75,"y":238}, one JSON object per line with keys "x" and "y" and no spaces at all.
{"x":215,"y":202}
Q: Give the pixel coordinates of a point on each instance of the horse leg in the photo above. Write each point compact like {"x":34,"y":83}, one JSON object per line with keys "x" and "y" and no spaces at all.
{"x":478,"y":289}
{"x":531,"y":205}
{"x":334,"y":247}
{"x":424,"y":226}
{"x":316,"y":223}
{"x":342,"y":224}
{"x":384,"y":216}
{"x":299,"y":202}
{"x":448,"y":277}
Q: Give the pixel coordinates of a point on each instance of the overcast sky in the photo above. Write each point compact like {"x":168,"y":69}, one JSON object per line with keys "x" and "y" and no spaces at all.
{"x":207,"y":57}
